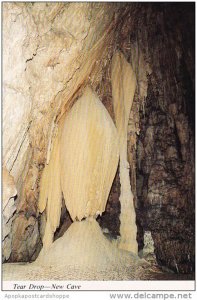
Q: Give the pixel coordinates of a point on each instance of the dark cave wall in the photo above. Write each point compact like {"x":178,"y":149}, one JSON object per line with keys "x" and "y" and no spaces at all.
{"x":110,"y":218}
{"x":165,"y":147}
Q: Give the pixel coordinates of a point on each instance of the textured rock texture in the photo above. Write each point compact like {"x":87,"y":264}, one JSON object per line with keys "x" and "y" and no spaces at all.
{"x":148,"y":251}
{"x":8,"y":210}
{"x":26,"y":240}
{"x":165,"y":150}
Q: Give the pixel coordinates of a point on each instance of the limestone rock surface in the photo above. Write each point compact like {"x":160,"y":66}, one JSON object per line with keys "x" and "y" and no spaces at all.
{"x":8,"y":210}
{"x":26,"y":242}
{"x":50,"y":64}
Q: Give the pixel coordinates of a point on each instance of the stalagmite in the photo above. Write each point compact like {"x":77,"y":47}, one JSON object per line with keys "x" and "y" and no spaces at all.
{"x":83,"y":164}
{"x":123,"y":89}
{"x":84,"y":246}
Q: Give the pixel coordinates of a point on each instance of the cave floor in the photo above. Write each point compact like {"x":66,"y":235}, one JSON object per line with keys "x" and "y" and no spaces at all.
{"x":84,"y":253}
{"x":29,"y":271}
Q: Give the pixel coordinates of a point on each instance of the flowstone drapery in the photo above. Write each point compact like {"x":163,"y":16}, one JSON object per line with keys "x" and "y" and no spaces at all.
{"x":89,"y":157}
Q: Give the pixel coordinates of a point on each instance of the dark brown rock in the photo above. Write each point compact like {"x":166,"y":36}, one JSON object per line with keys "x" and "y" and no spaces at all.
{"x":165,"y":174}
{"x":26,"y":242}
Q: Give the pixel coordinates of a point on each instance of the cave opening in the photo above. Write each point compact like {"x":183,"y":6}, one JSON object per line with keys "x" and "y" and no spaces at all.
{"x":63,"y":48}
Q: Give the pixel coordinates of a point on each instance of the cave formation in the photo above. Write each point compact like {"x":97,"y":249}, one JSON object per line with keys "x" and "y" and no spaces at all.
{"x":98,"y":140}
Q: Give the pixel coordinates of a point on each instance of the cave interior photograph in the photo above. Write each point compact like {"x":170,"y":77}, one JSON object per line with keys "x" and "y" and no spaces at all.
{"x":98,"y":141}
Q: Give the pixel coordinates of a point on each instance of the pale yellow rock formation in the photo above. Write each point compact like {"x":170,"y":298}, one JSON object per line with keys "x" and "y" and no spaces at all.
{"x":89,"y":157}
{"x":51,"y":194}
{"x":123,"y":89}
{"x":9,"y":188}
{"x":83,"y":164}
{"x":16,"y":90}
